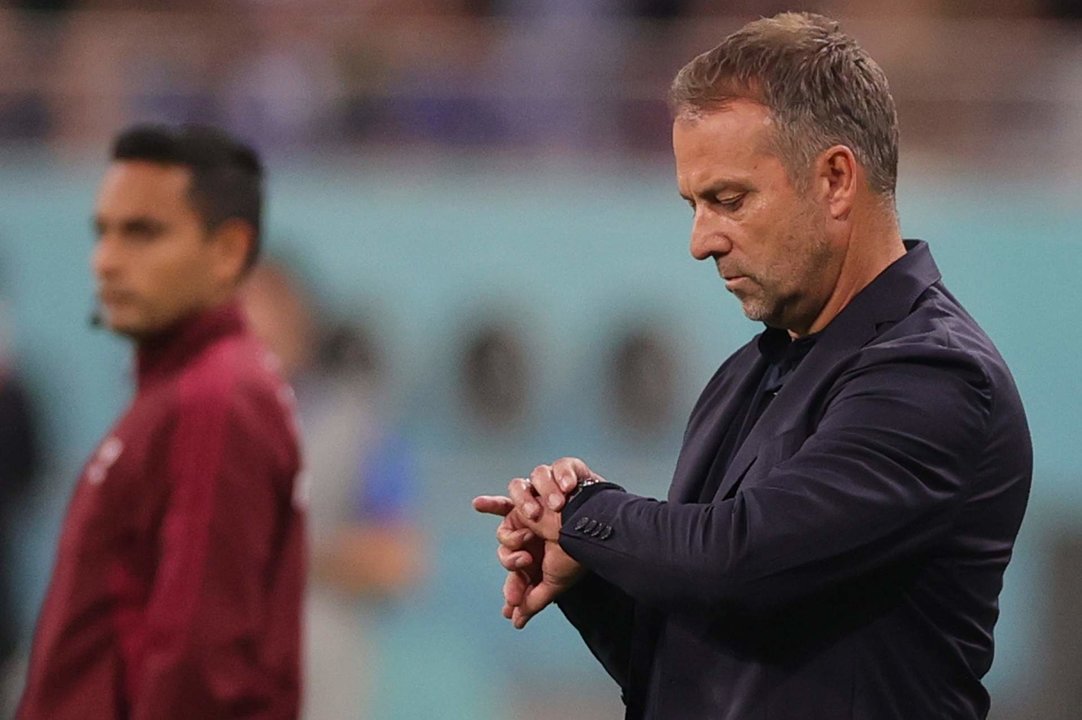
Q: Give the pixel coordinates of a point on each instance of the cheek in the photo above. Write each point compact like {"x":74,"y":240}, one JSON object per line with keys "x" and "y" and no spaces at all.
{"x":785,"y":258}
{"x":174,"y":274}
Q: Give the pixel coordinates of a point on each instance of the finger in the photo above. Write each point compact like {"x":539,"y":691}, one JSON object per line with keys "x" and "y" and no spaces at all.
{"x":493,"y":504}
{"x":568,"y":471}
{"x":514,"y":588}
{"x":518,"y":618}
{"x":512,"y":560}
{"x":524,"y":498}
{"x":512,"y":535}
{"x":544,"y":484}
{"x":535,"y":598}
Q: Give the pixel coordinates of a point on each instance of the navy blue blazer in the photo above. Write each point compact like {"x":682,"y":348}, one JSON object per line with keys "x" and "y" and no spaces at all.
{"x":849,"y":565}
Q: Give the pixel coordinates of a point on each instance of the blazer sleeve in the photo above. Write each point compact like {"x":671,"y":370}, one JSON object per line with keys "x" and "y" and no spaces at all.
{"x":604,"y":616}
{"x":219,"y":534}
{"x":889,"y":463}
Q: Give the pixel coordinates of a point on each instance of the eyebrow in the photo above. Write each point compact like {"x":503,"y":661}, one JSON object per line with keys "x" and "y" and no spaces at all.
{"x":139,"y":223}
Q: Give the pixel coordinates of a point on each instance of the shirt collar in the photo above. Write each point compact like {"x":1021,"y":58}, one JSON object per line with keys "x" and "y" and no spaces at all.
{"x":776,"y":345}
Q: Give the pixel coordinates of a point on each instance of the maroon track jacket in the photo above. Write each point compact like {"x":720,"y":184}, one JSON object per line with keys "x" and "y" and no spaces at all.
{"x":180,"y":569}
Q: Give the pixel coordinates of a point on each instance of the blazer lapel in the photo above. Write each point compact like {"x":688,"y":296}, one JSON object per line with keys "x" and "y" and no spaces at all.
{"x":787,"y":409}
{"x":716,"y":410}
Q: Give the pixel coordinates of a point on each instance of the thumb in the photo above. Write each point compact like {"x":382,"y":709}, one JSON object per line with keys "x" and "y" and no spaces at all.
{"x":535,"y":598}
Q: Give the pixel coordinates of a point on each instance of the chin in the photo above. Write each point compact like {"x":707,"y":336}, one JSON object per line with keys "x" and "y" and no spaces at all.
{"x":127,"y":331}
{"x":127,"y":327}
{"x":756,"y":311}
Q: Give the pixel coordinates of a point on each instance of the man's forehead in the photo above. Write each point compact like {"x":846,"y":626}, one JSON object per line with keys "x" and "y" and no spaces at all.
{"x":143,"y":183}
{"x":737,"y":117}
{"x":725,"y":149}
{"x":727,"y":141}
{"x":148,"y":175}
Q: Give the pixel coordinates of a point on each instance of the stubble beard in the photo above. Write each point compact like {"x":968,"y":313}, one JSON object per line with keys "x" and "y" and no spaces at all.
{"x":757,"y":309}
{"x":775,"y":295}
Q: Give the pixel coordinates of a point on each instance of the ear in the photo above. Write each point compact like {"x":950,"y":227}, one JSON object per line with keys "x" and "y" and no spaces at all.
{"x":837,"y":177}
{"x":231,"y":241}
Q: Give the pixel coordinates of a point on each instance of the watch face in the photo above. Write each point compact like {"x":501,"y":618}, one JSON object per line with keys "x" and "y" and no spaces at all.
{"x":583,"y":484}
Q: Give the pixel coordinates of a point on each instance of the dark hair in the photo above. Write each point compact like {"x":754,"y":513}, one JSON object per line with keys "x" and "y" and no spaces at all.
{"x":227,"y":176}
{"x":820,"y":86}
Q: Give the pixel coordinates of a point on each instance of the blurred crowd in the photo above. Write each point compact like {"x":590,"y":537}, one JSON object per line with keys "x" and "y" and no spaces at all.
{"x":539,"y":75}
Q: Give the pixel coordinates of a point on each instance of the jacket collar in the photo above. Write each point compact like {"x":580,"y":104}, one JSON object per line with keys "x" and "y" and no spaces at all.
{"x":886,"y":299}
{"x":168,"y":351}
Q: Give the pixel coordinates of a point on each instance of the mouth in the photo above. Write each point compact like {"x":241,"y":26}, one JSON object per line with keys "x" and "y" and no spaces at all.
{"x":109,"y":296}
{"x":732,"y":276}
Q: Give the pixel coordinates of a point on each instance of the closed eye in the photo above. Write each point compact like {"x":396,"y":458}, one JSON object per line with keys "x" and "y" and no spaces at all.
{"x":731,"y":203}
{"x":144,"y":229}
{"x":138,"y":229}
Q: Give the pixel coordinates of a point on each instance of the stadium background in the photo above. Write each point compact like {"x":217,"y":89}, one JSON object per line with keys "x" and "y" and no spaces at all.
{"x":439,"y":170}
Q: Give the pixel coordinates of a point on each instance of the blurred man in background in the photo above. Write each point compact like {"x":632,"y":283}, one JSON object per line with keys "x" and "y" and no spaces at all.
{"x":851,"y":481}
{"x":19,"y":465}
{"x":366,"y":546}
{"x":177,"y":586}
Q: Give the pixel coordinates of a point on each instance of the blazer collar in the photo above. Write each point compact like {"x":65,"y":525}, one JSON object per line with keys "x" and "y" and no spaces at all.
{"x":886,"y":299}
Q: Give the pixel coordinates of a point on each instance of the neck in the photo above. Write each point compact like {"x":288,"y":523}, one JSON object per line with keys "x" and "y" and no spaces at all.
{"x":158,"y":335}
{"x":874,"y":243}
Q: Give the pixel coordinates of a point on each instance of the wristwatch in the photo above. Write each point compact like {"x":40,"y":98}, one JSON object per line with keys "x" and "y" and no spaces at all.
{"x":583,"y":484}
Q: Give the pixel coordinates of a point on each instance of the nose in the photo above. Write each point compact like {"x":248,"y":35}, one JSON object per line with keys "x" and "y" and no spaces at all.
{"x":708,"y":239}
{"x":105,"y":260}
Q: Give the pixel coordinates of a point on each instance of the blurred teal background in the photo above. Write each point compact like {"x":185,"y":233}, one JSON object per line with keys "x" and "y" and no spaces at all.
{"x":426,"y":247}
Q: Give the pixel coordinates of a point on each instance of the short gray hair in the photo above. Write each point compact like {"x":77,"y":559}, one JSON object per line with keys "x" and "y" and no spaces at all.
{"x":820,"y":86}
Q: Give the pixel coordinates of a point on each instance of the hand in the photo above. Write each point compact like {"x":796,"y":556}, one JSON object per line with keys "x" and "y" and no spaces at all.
{"x":538,"y":570}
{"x":548,"y":487}
{"x":519,"y":547}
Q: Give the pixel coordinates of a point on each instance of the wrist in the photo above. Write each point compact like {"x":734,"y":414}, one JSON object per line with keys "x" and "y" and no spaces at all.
{"x":583,"y":492}
{"x":583,"y":484}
